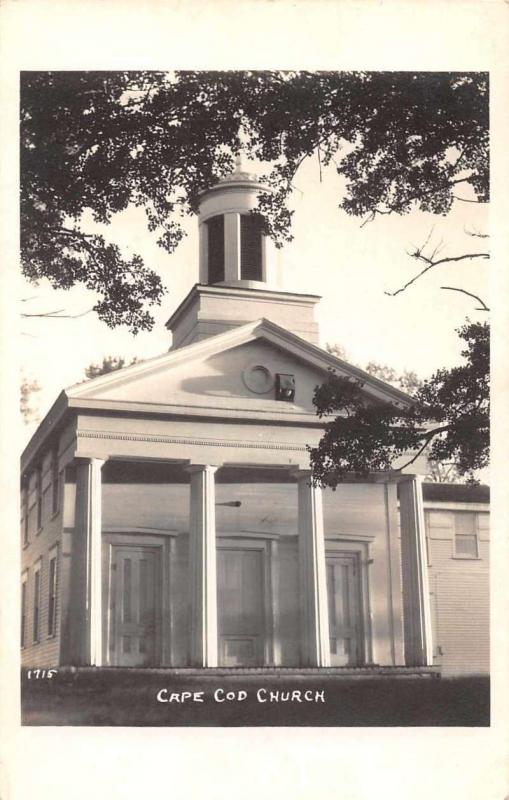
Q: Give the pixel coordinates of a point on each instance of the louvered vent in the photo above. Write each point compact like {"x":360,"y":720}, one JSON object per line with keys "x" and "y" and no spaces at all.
{"x":250,"y":248}
{"x":216,"y":249}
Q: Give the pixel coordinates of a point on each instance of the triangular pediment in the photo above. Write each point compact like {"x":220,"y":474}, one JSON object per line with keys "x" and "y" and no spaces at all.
{"x":233,"y":370}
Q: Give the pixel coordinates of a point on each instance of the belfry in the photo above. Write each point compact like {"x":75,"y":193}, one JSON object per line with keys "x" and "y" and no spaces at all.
{"x":240,"y":273}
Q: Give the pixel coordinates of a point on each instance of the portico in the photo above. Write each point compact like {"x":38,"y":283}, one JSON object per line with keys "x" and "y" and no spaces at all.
{"x":221,"y":589}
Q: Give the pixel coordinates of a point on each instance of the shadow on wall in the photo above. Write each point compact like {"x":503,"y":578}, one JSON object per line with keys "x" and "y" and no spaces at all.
{"x":223,"y":385}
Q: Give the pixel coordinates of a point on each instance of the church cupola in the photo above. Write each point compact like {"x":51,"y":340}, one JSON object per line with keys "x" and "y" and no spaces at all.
{"x":239,"y":269}
{"x":233,"y":248}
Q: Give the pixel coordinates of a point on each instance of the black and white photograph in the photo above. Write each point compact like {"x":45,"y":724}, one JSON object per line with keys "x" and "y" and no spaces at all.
{"x":243,"y":502}
{"x":252,"y":403}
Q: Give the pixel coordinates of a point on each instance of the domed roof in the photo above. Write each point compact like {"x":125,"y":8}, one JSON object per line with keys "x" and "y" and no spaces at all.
{"x":238,"y":177}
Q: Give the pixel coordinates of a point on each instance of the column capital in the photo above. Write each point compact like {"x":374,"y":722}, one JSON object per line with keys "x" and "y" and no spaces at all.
{"x":192,"y":469}
{"x":98,"y":461}
{"x":302,"y":474}
{"x":406,"y":478}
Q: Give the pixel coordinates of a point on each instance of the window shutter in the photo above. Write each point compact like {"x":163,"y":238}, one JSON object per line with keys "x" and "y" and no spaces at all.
{"x":250,"y":248}
{"x":215,"y":227}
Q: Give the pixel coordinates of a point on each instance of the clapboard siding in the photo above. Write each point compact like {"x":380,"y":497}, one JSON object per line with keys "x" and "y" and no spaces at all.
{"x":459,"y":589}
{"x":40,"y":544}
{"x":463,"y":622}
{"x":46,"y":651}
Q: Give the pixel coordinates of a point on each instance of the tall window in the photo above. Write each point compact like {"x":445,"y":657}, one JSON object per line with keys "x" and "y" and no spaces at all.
{"x":52,"y":593}
{"x":37,"y":603}
{"x":25,"y":513}
{"x":55,"y":484}
{"x":465,"y":535}
{"x":250,"y":247}
{"x":215,"y":227}
{"x":24,"y":585}
{"x":39,"y":496}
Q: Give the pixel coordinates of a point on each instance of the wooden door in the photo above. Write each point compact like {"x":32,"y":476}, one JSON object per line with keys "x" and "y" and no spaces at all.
{"x":241,"y":628}
{"x":343,"y":589}
{"x":135,"y":606}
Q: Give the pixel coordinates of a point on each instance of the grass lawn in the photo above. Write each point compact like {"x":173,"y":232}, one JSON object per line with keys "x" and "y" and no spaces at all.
{"x":129,"y":698}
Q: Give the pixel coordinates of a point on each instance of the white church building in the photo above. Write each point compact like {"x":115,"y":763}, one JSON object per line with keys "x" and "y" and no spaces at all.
{"x":168,"y":517}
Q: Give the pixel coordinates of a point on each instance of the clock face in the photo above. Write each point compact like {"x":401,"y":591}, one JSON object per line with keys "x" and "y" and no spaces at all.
{"x":258,"y":378}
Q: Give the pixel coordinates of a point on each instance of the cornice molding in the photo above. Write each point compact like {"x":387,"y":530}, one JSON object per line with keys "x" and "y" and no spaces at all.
{"x":192,"y":440}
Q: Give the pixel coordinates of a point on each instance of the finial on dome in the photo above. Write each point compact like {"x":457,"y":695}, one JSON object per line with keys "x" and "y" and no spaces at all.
{"x":238,"y":162}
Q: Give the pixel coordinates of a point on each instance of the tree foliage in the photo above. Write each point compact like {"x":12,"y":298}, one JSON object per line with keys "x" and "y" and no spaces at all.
{"x":109,"y":364}
{"x":408,"y":380}
{"x":98,"y":142}
{"x":28,"y":390}
{"x":448,"y":418}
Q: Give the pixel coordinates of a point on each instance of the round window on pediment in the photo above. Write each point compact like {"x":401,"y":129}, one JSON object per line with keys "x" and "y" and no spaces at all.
{"x":258,"y":378}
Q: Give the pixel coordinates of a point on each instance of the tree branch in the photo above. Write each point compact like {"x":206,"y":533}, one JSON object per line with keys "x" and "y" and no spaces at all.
{"x":483,"y":307}
{"x":421,"y":450}
{"x":428,"y":436}
{"x":58,"y":315}
{"x":476,"y":234}
{"x":430,"y":263}
{"x":465,"y":199}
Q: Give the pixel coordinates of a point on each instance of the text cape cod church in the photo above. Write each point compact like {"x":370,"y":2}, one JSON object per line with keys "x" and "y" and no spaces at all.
{"x":168,"y":518}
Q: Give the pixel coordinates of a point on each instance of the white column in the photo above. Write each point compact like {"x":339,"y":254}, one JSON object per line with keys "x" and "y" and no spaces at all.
{"x":232,"y":246}
{"x":416,"y":600}
{"x":202,"y":567}
{"x":313,"y":589}
{"x":87,"y":531}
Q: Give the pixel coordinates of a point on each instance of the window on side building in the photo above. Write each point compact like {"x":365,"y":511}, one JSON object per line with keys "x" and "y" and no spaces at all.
{"x":55,"y":482}
{"x":25,"y":513}
{"x":39,"y":496}
{"x":52,"y":591}
{"x":24,"y":596}
{"x":36,"y":630}
{"x":466,"y":542}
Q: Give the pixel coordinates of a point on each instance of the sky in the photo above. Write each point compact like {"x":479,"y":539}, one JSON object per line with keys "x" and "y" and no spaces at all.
{"x":348,"y":264}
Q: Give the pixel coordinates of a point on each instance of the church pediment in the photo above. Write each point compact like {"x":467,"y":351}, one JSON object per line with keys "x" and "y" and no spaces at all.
{"x":238,"y":369}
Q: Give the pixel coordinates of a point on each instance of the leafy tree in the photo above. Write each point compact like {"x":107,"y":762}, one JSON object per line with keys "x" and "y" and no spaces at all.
{"x":101,"y":141}
{"x":448,"y":418}
{"x":444,"y":472}
{"x":337,"y":350}
{"x":28,"y":389}
{"x":408,"y":381}
{"x":109,"y":364}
